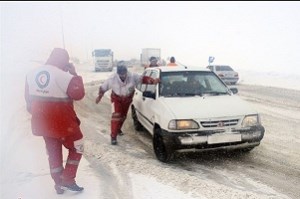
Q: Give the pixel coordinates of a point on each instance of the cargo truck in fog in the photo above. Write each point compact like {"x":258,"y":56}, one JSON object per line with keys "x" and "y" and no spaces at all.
{"x":103,"y":59}
{"x":147,"y":53}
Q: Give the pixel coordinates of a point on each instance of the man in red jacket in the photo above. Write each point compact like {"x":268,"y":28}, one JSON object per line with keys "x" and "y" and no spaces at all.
{"x":49,"y":94}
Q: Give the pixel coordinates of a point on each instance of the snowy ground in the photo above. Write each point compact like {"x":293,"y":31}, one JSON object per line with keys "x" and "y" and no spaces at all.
{"x":24,"y":166}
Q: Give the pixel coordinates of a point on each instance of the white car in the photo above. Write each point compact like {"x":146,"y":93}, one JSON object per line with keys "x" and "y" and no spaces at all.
{"x":191,"y":109}
{"x":226,"y":73}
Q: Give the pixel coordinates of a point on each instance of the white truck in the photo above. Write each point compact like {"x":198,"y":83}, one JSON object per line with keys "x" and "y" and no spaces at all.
{"x":103,"y":59}
{"x":149,"y":52}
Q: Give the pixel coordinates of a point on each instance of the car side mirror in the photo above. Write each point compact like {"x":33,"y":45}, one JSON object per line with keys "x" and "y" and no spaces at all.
{"x":234,"y":90}
{"x":149,"y":94}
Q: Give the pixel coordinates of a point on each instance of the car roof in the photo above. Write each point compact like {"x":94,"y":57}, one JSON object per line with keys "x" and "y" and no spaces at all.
{"x":179,"y":68}
{"x":219,"y":65}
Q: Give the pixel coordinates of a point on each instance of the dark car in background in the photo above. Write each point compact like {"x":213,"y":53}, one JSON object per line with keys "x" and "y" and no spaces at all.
{"x":225,"y":72}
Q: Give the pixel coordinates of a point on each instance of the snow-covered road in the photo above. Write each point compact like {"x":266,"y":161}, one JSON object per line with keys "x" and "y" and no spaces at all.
{"x":130,"y":170}
{"x":271,"y":170}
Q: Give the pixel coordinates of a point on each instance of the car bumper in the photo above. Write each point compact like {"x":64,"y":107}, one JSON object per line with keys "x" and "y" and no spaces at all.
{"x":230,"y":80}
{"x":103,"y":68}
{"x":211,"y":140}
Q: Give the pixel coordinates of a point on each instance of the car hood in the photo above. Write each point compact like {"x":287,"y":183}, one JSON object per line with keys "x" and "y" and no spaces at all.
{"x":207,"y":106}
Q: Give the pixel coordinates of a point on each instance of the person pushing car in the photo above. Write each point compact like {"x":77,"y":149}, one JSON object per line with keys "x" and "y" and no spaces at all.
{"x":122,"y":85}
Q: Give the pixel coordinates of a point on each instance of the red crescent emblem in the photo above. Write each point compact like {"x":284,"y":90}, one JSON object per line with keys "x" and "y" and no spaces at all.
{"x":42,"y":79}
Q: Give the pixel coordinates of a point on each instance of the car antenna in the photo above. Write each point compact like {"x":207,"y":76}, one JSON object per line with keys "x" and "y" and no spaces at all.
{"x":182,"y":64}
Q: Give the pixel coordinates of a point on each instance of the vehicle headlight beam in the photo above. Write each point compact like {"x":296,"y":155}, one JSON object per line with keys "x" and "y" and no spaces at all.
{"x":250,"y":120}
{"x":183,"y":124}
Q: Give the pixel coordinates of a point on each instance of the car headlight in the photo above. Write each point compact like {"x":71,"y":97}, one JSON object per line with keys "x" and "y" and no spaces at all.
{"x":250,"y":120}
{"x":183,"y":124}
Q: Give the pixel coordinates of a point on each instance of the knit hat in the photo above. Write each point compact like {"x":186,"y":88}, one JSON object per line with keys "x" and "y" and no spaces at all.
{"x":152,"y":59}
{"x":121,"y":68}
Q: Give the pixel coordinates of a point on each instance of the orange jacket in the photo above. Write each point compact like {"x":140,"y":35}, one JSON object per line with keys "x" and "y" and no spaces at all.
{"x":172,"y":64}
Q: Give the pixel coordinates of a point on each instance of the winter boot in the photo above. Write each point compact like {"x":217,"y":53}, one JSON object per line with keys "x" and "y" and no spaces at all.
{"x":113,"y":141}
{"x":121,"y":132}
{"x":73,"y":187}
{"x":58,"y":189}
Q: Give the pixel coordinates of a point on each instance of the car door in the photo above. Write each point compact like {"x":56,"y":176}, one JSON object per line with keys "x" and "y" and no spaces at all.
{"x":138,"y":97}
{"x":149,"y":102}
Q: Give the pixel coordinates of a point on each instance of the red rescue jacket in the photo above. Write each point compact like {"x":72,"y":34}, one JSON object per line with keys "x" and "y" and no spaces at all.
{"x":49,"y":95}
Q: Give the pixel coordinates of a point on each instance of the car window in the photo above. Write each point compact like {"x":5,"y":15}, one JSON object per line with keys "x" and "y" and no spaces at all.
{"x":223,"y":68}
{"x":152,"y":87}
{"x":190,"y":83}
{"x":142,"y":86}
{"x":139,"y":86}
{"x":148,"y":87}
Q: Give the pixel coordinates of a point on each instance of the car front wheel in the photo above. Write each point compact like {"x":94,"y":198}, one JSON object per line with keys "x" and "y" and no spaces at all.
{"x":161,"y":151}
{"x":137,"y":125}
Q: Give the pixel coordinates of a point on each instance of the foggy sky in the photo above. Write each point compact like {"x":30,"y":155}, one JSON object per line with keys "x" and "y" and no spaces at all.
{"x":246,"y":35}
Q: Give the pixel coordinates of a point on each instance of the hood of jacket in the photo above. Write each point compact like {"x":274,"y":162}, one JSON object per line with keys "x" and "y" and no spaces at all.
{"x":59,"y":57}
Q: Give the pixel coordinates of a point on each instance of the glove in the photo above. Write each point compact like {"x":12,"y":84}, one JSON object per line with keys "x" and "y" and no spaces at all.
{"x":156,"y":81}
{"x":98,"y":99}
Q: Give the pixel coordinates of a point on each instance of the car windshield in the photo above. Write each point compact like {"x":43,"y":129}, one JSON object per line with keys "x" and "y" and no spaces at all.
{"x":223,"y":68}
{"x":191,"y":83}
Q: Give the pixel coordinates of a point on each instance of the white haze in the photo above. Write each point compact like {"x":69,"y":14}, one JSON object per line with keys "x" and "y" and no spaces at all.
{"x":261,"y":36}
{"x":259,"y":39}
{"x":24,"y":166}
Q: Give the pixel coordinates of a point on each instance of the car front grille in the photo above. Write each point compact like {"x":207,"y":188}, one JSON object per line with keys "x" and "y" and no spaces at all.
{"x":219,"y":123}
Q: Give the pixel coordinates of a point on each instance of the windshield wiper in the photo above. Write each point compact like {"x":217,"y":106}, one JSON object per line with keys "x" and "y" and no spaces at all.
{"x":217,"y":93}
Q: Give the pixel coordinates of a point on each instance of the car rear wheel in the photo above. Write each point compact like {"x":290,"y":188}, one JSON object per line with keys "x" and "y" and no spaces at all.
{"x":161,"y":151}
{"x":137,"y":125}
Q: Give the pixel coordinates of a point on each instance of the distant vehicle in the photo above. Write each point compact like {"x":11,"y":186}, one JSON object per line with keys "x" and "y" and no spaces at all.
{"x":103,"y":59}
{"x":147,"y":53}
{"x":225,"y":72}
{"x":191,"y":110}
